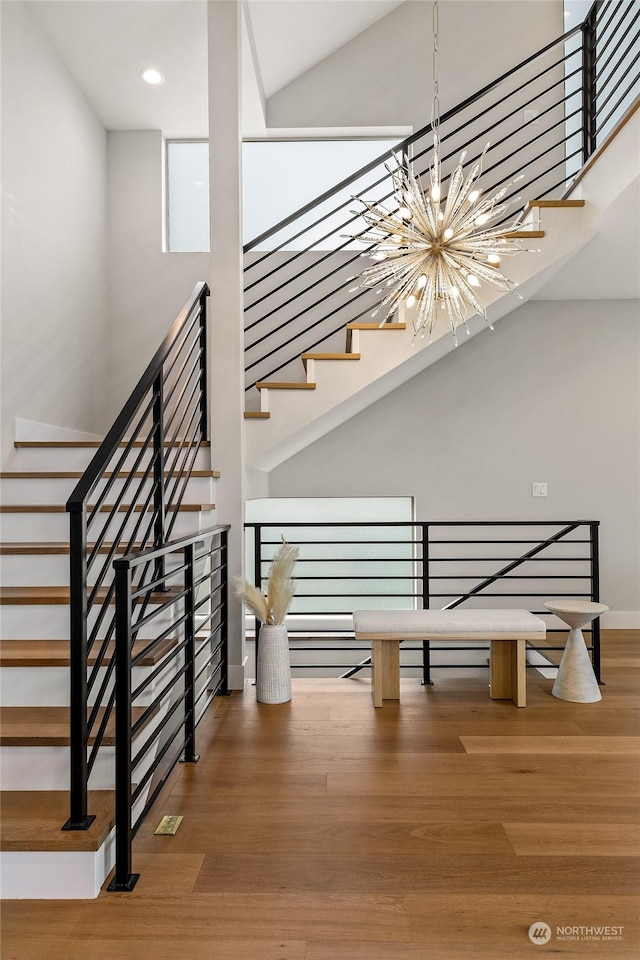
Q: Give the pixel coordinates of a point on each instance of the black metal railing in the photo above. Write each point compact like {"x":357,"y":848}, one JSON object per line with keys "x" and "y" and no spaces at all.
{"x":347,"y":566}
{"x":156,"y":719}
{"x":544,"y":118}
{"x":129,"y":499}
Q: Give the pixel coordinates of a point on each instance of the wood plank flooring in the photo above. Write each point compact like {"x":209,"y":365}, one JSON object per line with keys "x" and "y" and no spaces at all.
{"x":439,"y":828}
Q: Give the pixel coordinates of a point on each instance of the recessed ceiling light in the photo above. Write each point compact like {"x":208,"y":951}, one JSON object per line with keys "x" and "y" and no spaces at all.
{"x":152,"y":76}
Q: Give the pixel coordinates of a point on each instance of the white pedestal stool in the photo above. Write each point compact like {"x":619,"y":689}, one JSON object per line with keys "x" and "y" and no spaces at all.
{"x":576,"y":680}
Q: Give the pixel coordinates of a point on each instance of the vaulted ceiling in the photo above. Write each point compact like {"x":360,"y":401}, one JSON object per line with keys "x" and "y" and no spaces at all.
{"x":106,"y":44}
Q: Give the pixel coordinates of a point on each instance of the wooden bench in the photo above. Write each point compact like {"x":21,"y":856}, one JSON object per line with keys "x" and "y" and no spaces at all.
{"x":507,"y":630}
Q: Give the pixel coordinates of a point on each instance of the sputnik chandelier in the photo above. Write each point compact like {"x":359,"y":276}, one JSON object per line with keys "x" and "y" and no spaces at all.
{"x":435,"y":252}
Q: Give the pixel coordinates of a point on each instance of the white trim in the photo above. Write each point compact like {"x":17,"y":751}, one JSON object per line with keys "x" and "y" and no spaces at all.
{"x":42,"y":875}
{"x":620,"y":620}
{"x":236,"y":675}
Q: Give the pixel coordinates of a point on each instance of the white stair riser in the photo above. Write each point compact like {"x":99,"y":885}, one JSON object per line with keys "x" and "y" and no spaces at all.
{"x":56,"y":490}
{"x":47,"y":768}
{"x":48,"y":570}
{"x":42,"y":875}
{"x":78,"y":458}
{"x":49,"y":686}
{"x":44,"y":622}
{"x":34,"y":527}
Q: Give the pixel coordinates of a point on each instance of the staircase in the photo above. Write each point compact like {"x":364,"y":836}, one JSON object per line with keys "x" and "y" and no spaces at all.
{"x":314,"y":357}
{"x":40,"y":860}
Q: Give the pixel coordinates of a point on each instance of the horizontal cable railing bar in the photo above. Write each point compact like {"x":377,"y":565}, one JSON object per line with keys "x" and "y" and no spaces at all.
{"x":157,"y":671}
{"x":481,"y":137}
{"x":403,"y":145}
{"x":125,"y":453}
{"x":425,"y":584}
{"x":615,"y":67}
{"x":384,"y":178}
{"x":177,"y":674}
{"x":179,"y":347}
{"x":619,"y":102}
{"x":148,"y":774}
{"x":156,"y":791}
{"x":603,"y":48}
{"x":195,"y":366}
{"x":106,"y":531}
{"x":111,"y":442}
{"x":600,"y":15}
{"x":133,"y":453}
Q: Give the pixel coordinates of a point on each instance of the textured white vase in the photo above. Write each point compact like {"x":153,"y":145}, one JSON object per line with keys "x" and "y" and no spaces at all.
{"x":273,"y":682}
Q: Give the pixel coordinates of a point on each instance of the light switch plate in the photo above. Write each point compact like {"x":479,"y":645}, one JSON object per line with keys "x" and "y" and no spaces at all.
{"x":538,"y":489}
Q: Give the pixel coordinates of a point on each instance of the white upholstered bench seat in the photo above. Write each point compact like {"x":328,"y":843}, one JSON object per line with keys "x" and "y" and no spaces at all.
{"x":508,"y":630}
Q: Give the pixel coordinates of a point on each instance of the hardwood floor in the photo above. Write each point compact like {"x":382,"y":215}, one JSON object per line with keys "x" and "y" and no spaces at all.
{"x":440,"y":828}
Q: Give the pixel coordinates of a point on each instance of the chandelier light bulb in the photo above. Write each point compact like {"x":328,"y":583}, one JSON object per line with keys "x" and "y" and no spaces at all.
{"x":422,"y":279}
{"x":411,"y":300}
{"x":152,"y":76}
{"x":473,"y":280}
{"x":448,"y":233}
{"x":473,"y":196}
{"x":493,"y":258}
{"x":482,"y":219}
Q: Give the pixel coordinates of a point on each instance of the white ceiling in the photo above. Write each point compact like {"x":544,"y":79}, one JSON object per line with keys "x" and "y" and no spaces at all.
{"x":291,"y":37}
{"x":105,"y":45}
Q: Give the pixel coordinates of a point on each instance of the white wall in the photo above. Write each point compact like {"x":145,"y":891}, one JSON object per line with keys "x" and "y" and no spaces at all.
{"x":384,"y":75}
{"x":54,"y":237}
{"x":551,"y":395}
{"x":147,"y":287}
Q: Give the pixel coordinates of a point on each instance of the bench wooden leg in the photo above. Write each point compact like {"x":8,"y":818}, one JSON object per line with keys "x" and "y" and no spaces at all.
{"x":385,"y":679}
{"x":508,"y":671}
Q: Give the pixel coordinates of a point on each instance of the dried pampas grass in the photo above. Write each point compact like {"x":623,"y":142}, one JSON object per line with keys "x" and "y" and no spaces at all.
{"x":281,"y":587}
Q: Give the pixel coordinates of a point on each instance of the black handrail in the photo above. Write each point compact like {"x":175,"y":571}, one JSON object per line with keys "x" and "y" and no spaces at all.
{"x":431,"y":582}
{"x":147,"y":518}
{"x":197,"y":664}
{"x":298,"y":287}
{"x":403,"y":145}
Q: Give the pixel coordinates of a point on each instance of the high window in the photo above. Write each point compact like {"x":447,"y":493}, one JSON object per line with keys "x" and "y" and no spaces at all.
{"x":279,"y":177}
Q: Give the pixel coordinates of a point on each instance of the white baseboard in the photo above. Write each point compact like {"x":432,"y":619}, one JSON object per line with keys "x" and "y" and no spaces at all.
{"x":621,"y":620}
{"x":236,"y":675}
{"x":40,"y":875}
{"x":32,"y":430}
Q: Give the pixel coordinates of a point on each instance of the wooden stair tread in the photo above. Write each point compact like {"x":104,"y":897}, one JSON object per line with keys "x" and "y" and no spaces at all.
{"x":59,"y":596}
{"x":525,"y":235}
{"x":376,"y":326}
{"x":76,"y":474}
{"x":89,"y":444}
{"x":256,"y":414}
{"x":17,"y":549}
{"x":31,"y":820}
{"x":105,"y":508}
{"x":330,"y":356}
{"x":268,"y":385}
{"x":554,"y":203}
{"x":49,"y":726}
{"x":55,"y":653}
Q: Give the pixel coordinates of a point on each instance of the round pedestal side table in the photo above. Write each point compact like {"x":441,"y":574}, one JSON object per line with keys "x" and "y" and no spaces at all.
{"x":576,"y":680}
